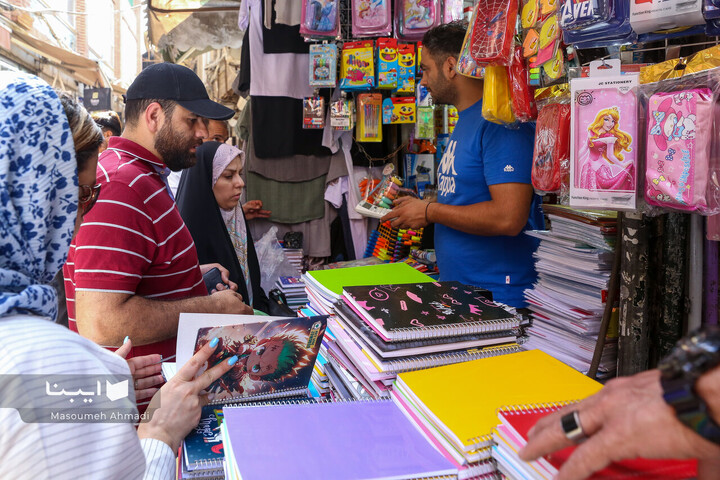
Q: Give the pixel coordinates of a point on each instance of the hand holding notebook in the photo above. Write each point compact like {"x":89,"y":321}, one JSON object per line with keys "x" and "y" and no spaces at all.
{"x":627,"y":419}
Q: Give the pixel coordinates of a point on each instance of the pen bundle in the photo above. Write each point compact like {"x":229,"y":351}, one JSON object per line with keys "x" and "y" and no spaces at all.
{"x":369,"y":118}
{"x":393,"y":244}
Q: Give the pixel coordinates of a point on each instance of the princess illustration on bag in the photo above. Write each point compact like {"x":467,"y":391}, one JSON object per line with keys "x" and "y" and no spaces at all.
{"x":602,"y":163}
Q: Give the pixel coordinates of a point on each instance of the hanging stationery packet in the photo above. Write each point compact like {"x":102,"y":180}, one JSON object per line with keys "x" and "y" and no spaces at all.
{"x":398,"y":110}
{"x":648,"y":17}
{"x":371,"y":18}
{"x":320,"y":18}
{"x":341,"y":114}
{"x":415,"y":17}
{"x":587,"y":24}
{"x":580,"y":14}
{"x":314,"y":112}
{"x":425,"y":125}
{"x":551,"y":155}
{"x":492,"y":31}
{"x":423,"y":97}
{"x":323,"y":65}
{"x":548,"y":40}
{"x":406,"y":64}
{"x":604,"y":146}
{"x":711,"y":9}
{"x":679,"y":129}
{"x":368,"y":127}
{"x":452,"y":11}
{"x":497,"y":103}
{"x":466,"y":64}
{"x":387,"y":62}
{"x":418,"y":69}
{"x":523,"y":101}
{"x":357,"y":71}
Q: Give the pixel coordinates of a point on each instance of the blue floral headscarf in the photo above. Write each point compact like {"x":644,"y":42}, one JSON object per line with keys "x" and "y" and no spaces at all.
{"x":38,"y":194}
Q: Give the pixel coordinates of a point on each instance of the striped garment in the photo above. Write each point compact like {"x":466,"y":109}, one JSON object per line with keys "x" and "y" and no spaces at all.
{"x":133,"y":240}
{"x":32,"y":345}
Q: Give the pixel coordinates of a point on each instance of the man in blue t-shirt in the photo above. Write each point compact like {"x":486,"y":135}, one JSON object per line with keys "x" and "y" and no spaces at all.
{"x":485,"y":199}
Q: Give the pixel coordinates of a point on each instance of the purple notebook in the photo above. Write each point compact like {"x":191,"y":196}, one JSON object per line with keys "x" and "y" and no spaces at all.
{"x":349,"y":440}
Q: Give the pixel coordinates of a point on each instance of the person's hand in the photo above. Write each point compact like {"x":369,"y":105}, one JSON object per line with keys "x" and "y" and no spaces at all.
{"x":407,"y":212}
{"x":145,"y":371}
{"x":224,"y":274}
{"x":253,"y":209}
{"x":229,"y":301}
{"x":627,"y":419}
{"x":176,"y":409}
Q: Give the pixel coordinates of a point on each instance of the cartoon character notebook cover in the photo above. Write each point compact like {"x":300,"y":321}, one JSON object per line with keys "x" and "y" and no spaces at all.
{"x":518,"y":420}
{"x":276,"y":358}
{"x":426,"y":310}
{"x":604,"y":142}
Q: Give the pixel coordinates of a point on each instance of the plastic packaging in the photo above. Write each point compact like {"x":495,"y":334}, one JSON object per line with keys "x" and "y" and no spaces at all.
{"x":371,"y":18}
{"x":406,"y":70}
{"x":452,"y":11}
{"x":323,"y":65}
{"x":711,"y":9}
{"x":497,"y":104}
{"x":415,"y":17}
{"x":369,"y":118}
{"x":466,"y":64}
{"x":551,"y":156}
{"x":523,"y":101}
{"x":320,"y":19}
{"x":648,"y":17}
{"x":604,"y":139}
{"x":597,"y":23}
{"x":387,"y":57}
{"x":357,"y":71}
{"x":379,"y":201}
{"x":341,"y":114}
{"x":398,"y":110}
{"x":273,"y":260}
{"x":492,"y":31}
{"x":314,"y":112}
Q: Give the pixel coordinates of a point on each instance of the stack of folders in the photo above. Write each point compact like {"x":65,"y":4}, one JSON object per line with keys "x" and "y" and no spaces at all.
{"x":383,"y":330}
{"x":343,"y":440}
{"x":324,"y":287}
{"x":573,"y":261}
{"x":294,"y":290}
{"x":276,"y":361}
{"x":456,"y":405}
{"x":512,"y":434}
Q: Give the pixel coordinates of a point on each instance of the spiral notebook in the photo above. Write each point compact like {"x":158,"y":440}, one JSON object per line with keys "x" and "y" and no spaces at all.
{"x":343,"y":440}
{"x":202,"y":450}
{"x":511,"y":435}
{"x":427,"y":310}
{"x":459,"y":402}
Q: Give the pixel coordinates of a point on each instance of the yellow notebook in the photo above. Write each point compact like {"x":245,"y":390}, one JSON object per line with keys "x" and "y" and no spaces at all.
{"x":461,"y":400}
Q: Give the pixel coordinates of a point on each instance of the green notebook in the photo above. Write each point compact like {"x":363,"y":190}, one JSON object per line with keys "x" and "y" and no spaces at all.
{"x":334,"y":280}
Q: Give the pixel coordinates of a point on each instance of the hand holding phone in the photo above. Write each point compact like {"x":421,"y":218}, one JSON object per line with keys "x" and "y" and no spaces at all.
{"x":211,"y":278}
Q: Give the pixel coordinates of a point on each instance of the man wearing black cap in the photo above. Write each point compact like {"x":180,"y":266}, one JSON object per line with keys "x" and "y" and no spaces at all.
{"x":132,"y":268}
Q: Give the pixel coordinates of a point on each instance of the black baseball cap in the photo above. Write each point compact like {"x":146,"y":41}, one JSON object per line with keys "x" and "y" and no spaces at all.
{"x":169,"y":81}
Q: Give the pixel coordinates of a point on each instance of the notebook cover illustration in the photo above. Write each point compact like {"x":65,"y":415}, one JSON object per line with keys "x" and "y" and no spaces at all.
{"x":522,"y":418}
{"x":398,"y":308}
{"x":274,"y":356}
{"x":335,"y":279}
{"x":203,"y":447}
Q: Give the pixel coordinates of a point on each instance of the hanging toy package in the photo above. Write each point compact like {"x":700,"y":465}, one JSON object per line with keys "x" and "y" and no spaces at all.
{"x":648,"y":17}
{"x":357,"y":71}
{"x":683,"y":124}
{"x":452,"y":11}
{"x":497,"y":104}
{"x":415,"y":17}
{"x":551,"y":155}
{"x":320,"y":19}
{"x":466,"y":64}
{"x":492,"y":31}
{"x":371,"y":18}
{"x":542,"y":41}
{"x":323,"y":65}
{"x":523,"y":101}
{"x":711,"y":9}
{"x":604,"y":146}
{"x":596,"y":23}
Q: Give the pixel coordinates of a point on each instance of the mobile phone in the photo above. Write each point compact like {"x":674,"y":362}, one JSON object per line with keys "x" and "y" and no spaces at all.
{"x":211,"y":278}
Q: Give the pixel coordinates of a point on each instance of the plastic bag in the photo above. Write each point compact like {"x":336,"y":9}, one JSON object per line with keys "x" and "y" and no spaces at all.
{"x":371,"y":18}
{"x":415,"y":17}
{"x":320,"y":19}
{"x":523,"y":102}
{"x":492,"y":31}
{"x":272,"y":260}
{"x":551,"y":155}
{"x":497,"y":104}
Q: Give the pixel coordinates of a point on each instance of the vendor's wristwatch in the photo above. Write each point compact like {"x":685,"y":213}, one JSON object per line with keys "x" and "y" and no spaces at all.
{"x":690,"y":358}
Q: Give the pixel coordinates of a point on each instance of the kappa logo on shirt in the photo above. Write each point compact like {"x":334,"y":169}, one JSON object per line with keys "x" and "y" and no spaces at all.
{"x":509,"y":168}
{"x":446,"y":170}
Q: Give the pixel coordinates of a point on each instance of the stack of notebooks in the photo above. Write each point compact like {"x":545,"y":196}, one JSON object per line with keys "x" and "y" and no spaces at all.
{"x":294,"y":290}
{"x":276,"y":361}
{"x":456,"y":405}
{"x":383,"y":330}
{"x":512,"y":434}
{"x":324,"y":287}
{"x":573,"y":261}
{"x":345,"y":440}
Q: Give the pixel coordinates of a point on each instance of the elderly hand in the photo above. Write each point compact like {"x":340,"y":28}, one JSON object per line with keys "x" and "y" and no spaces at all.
{"x":627,"y":419}
{"x":407,"y":212}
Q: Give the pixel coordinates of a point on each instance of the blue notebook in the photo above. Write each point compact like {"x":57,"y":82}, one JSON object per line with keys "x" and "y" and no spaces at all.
{"x":345,"y":440}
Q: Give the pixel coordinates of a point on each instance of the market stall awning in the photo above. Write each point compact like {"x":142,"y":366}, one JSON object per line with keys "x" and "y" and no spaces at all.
{"x":83,"y":69}
{"x":198,"y":24}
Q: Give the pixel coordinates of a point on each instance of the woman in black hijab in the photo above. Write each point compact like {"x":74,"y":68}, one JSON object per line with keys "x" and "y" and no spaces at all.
{"x":209,"y":202}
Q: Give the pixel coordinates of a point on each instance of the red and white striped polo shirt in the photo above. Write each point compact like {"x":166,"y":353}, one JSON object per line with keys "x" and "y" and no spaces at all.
{"x":133,"y":240}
